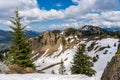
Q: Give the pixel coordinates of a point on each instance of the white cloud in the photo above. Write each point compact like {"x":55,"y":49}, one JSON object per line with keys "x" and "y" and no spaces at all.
{"x":107,"y":4}
{"x":76,"y":25}
{"x":37,"y":15}
{"x":83,"y":7}
{"x":104,"y":23}
{"x":8,"y":6}
{"x":108,"y":18}
{"x":58,"y":4}
{"x":84,"y":10}
{"x":111,"y":15}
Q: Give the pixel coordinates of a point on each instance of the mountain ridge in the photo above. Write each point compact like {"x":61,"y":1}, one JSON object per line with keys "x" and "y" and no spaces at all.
{"x":50,"y":47}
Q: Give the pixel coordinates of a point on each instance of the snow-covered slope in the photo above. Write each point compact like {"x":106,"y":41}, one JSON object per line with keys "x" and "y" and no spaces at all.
{"x":36,"y":76}
{"x":105,"y":55}
{"x":103,"y":49}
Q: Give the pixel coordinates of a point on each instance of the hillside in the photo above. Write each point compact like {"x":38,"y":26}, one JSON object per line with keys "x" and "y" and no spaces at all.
{"x":50,"y":47}
{"x":5,"y":37}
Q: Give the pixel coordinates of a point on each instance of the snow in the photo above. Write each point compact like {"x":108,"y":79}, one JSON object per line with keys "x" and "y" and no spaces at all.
{"x":100,"y":65}
{"x":45,"y":53}
{"x":71,"y":40}
{"x":67,"y":56}
{"x":85,"y":39}
{"x":89,"y":43}
{"x":62,"y":33}
{"x":35,"y":55}
{"x":36,"y":76}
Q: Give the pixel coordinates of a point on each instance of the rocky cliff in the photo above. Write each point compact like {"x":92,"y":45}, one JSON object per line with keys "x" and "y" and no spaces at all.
{"x":112,"y":71}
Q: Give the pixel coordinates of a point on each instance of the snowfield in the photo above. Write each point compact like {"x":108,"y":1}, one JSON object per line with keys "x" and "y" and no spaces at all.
{"x":36,"y":76}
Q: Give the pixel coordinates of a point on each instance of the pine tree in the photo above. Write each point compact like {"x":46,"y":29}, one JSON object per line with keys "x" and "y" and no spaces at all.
{"x":82,"y":63}
{"x":62,"y":68}
{"x":20,"y":51}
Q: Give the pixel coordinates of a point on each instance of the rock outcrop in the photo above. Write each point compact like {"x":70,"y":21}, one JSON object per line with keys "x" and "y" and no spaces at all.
{"x":112,"y":71}
{"x":16,"y":69}
{"x":3,"y":68}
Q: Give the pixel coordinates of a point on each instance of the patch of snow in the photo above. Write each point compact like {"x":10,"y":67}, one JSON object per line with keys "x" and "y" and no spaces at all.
{"x":82,"y":42}
{"x":89,"y":43}
{"x":45,"y":53}
{"x":76,"y":37}
{"x":33,"y":52}
{"x":96,"y":37}
{"x":62,"y":33}
{"x":36,"y":76}
{"x":35,"y":55}
{"x":71,"y":40}
{"x":85,"y":39}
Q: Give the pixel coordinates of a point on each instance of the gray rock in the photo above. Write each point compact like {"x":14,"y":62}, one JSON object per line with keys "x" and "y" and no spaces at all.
{"x":112,"y":70}
{"x":3,"y":68}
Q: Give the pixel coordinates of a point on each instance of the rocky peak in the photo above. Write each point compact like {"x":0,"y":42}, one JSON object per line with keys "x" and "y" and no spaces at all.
{"x":89,"y":27}
{"x":92,"y":29}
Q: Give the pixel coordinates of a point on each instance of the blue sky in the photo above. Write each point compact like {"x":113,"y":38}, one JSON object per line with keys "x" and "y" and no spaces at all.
{"x":42,"y":15}
{"x":54,"y":4}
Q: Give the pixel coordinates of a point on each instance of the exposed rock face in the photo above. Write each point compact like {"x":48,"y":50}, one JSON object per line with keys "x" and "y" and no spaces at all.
{"x":49,"y":42}
{"x":3,"y":68}
{"x":17,"y":69}
{"x":112,"y":71}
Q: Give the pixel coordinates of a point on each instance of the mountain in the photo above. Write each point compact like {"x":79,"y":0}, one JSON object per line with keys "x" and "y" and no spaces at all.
{"x":32,"y":34}
{"x":5,"y":39}
{"x":89,"y":30}
{"x":50,"y":47}
{"x":5,"y":36}
{"x":112,"y":29}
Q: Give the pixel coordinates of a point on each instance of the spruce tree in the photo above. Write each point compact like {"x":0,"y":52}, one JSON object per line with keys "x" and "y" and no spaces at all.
{"x":82,"y":63}
{"x":62,"y":68}
{"x":20,"y":50}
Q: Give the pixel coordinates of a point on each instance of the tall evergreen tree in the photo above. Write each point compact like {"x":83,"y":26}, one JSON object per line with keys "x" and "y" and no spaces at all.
{"x":20,"y":51}
{"x":82,"y":63}
{"x":62,"y":68}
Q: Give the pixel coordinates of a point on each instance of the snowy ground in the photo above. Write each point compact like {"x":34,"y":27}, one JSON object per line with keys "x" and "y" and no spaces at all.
{"x":36,"y":76}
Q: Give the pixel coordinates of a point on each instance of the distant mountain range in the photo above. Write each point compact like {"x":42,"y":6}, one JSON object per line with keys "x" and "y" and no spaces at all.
{"x":5,"y":37}
{"x":112,"y":29}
